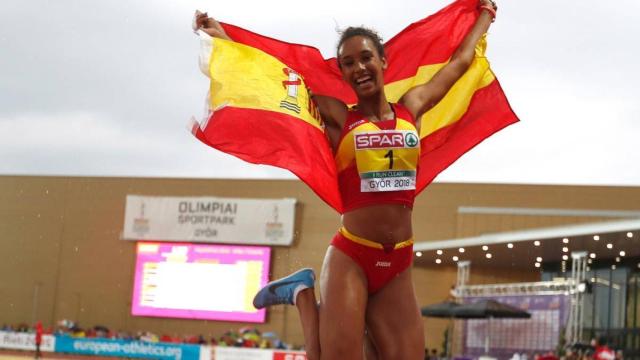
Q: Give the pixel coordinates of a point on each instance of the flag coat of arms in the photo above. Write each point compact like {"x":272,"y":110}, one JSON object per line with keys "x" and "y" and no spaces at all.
{"x":261,"y":110}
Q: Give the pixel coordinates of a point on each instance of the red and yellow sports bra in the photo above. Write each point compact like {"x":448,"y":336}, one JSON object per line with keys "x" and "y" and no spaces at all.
{"x":377,"y":162}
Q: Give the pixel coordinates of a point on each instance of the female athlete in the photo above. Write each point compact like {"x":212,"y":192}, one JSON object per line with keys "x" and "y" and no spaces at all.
{"x":366,"y":280}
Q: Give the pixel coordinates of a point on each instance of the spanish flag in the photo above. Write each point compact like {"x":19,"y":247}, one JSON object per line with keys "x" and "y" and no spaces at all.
{"x":261,"y":111}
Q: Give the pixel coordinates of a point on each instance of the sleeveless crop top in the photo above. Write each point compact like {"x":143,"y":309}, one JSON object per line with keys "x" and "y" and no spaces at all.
{"x":377,"y":162}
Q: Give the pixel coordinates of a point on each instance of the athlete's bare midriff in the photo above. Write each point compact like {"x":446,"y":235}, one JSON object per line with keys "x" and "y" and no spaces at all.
{"x":385,"y":223}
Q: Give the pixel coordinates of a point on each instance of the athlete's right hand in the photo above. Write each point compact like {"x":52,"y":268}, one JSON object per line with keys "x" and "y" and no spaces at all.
{"x":201,"y":21}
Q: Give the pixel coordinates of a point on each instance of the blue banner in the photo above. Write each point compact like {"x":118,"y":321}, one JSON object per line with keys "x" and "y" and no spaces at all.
{"x":125,"y":348}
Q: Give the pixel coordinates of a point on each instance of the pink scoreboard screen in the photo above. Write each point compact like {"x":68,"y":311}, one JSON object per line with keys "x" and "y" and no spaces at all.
{"x":198,"y":281}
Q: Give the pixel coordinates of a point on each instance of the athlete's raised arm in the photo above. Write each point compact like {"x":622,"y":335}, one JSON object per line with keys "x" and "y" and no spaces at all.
{"x":201,"y":21}
{"x":333,"y":113}
{"x":421,"y":98}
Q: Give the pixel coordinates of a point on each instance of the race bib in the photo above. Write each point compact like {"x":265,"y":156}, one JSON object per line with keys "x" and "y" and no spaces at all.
{"x":387,"y":159}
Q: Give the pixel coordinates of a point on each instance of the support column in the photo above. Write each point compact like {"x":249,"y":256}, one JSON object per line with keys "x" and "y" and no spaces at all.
{"x":576,"y":291}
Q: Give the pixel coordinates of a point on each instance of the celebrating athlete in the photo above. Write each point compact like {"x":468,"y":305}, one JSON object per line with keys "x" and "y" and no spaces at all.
{"x":366,"y":282}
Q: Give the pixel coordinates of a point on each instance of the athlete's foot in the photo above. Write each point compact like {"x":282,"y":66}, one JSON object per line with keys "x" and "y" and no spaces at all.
{"x":285,"y":290}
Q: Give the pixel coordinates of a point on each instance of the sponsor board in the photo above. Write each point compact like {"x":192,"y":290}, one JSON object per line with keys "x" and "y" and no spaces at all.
{"x":206,"y":352}
{"x":25,"y":341}
{"x":386,"y":139}
{"x":209,"y":219}
{"x":233,"y":353}
{"x":289,"y":355}
{"x":128,"y":349}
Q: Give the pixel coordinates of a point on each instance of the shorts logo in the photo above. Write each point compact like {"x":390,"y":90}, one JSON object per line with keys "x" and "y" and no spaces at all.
{"x":383,"y":264}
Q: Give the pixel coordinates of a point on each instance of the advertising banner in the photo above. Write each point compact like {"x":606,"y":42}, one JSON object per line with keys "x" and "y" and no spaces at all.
{"x":25,"y":341}
{"x":289,"y":355}
{"x":234,"y":353}
{"x":209,"y":219}
{"x":127,"y":349}
{"x":231,"y":353}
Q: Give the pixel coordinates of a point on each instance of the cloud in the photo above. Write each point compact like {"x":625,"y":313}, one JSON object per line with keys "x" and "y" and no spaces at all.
{"x":560,"y":140}
{"x":72,"y":131}
{"x":105,"y":88}
{"x":92,"y":144}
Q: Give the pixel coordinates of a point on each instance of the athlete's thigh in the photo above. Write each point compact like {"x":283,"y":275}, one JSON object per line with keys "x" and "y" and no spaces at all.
{"x":394,"y":319}
{"x":343,"y":302}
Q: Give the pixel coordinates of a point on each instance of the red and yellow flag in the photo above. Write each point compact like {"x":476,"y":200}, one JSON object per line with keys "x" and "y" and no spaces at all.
{"x":262,"y":112}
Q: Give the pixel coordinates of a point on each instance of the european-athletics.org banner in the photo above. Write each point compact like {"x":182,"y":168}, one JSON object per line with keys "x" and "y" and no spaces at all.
{"x":209,"y":219}
{"x":126,"y":349}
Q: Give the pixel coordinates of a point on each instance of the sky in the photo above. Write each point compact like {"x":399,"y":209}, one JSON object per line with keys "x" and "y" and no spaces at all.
{"x":106,"y":88}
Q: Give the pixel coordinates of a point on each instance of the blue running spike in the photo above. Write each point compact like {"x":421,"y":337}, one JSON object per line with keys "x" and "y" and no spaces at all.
{"x":285,"y":290}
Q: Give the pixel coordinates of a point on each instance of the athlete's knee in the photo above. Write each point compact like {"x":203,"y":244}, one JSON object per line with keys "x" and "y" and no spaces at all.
{"x":407,"y":344}
{"x":342,"y":352}
{"x":404,"y":353}
{"x":341,"y":345}
{"x":403,"y":349}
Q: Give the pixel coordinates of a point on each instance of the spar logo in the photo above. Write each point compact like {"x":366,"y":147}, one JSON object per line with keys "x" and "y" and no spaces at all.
{"x":386,"y":139}
{"x":411,"y":139}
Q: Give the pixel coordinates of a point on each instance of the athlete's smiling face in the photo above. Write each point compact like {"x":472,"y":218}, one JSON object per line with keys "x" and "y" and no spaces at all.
{"x":362,"y":65}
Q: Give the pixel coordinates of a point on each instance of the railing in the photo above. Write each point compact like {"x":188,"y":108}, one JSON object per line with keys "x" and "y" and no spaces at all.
{"x":532,"y":288}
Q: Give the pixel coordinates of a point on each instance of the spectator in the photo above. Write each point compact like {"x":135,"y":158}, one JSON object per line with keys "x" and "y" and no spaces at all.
{"x":247,"y":337}
{"x":548,"y":356}
{"x":101,"y":331}
{"x":191,"y":339}
{"x":228,"y":339}
{"x":39,"y":331}
{"x":434,"y":354}
{"x":603,"y":352}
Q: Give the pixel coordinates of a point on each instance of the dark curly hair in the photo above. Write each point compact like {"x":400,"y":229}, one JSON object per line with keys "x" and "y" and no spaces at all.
{"x":352,"y":31}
